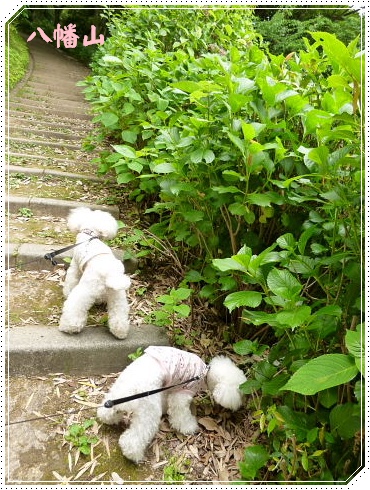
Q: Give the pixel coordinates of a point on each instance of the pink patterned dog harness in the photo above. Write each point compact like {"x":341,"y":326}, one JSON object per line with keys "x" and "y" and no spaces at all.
{"x":179,"y":366}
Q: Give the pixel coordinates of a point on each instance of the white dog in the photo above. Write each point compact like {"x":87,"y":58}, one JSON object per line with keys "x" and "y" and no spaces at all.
{"x":161,"y":367}
{"x":95,"y":275}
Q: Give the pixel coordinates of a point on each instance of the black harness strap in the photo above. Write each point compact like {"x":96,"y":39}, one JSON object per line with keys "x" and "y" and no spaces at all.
{"x":50,"y":256}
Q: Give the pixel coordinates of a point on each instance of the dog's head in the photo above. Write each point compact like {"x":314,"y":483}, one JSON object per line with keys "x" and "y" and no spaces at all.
{"x":99,"y":222}
{"x":223,"y":380}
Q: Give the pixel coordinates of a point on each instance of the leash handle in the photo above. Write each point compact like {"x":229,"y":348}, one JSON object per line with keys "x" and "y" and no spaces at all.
{"x":118,"y":401}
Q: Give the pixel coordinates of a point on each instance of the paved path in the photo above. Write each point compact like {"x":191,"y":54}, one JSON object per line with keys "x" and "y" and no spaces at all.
{"x":48,"y":173}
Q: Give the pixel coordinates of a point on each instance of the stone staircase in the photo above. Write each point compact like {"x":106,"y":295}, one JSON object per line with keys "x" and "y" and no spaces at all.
{"x":49,"y":173}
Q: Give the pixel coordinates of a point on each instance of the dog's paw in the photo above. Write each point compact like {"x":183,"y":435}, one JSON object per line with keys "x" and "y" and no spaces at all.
{"x":71,"y":329}
{"x":119,"y":332}
{"x":186,"y":427}
{"x":130,"y":448}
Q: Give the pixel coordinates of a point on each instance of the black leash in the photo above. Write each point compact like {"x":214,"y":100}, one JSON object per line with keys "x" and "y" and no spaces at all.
{"x":50,"y":256}
{"x":111,"y":403}
{"x":118,"y":401}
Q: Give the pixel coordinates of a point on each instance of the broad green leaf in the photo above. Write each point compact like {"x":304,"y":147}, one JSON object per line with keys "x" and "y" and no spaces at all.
{"x":227,"y":189}
{"x":303,"y":265}
{"x":136,"y":166}
{"x":180,"y":294}
{"x":273,"y":386}
{"x":321,"y":373}
{"x":316,"y":119}
{"x":355,"y":343}
{"x":305,"y":236}
{"x":319,"y":155}
{"x":283,"y":283}
{"x":228,"y":264}
{"x":332,"y":196}
{"x":330,"y":310}
{"x":108,"y":119}
{"x":329,"y":397}
{"x":250,"y":386}
{"x":294,"y":318}
{"x":193,"y":216}
{"x":182,"y":310}
{"x":286,"y":241}
{"x":193,"y":276}
{"x":245,"y":347}
{"x":260,"y":318}
{"x":164,"y":168}
{"x":196,"y":156}
{"x":243,"y":298}
{"x":129,"y":136}
{"x":259,"y":199}
{"x":237,"y":142}
{"x":126,"y":151}
{"x":111,"y":59}
{"x":255,"y":458}
{"x":208,"y":156}
{"x":125,"y":177}
{"x":128,"y":108}
{"x":249,"y":131}
{"x":237,"y":208}
{"x":344,"y":421}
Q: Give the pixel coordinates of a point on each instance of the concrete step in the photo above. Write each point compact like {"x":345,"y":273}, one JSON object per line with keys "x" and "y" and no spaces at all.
{"x":55,"y":113}
{"x":22,"y":131}
{"x":42,"y":349}
{"x":42,"y":142}
{"x":42,"y":172}
{"x":54,"y":207}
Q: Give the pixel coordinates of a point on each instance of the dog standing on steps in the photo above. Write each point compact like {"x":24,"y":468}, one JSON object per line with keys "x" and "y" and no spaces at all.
{"x":95,"y":275}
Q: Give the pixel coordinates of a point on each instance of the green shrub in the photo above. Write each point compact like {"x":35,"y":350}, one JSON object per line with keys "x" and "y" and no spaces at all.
{"x":252,"y":166}
{"x":16,"y":51}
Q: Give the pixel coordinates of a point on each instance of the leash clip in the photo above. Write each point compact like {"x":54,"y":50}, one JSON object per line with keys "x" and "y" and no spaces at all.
{"x":50,"y":256}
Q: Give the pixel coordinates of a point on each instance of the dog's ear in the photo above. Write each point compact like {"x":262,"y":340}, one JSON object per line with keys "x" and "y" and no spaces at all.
{"x":228,"y":396}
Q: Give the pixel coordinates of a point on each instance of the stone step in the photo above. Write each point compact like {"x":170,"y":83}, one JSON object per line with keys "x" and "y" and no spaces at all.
{"x":54,"y":207}
{"x":36,"y":109}
{"x":51,"y":103}
{"x":42,"y":349}
{"x":19,"y":131}
{"x":41,"y":142}
{"x":47,"y":121}
{"x":41,"y":172}
{"x":23,"y":159}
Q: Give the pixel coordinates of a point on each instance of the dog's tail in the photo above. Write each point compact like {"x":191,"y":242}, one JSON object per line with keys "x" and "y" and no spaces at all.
{"x":118,"y":281}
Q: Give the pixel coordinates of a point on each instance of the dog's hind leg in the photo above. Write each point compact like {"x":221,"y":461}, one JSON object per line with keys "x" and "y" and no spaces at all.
{"x":179,"y":412}
{"x":75,"y":309}
{"x":118,"y":313}
{"x":73,"y":276}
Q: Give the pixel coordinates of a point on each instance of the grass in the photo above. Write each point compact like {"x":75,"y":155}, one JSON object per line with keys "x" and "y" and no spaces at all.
{"x":16,"y":51}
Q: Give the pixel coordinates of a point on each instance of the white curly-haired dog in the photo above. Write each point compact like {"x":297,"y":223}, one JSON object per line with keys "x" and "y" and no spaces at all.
{"x":161,"y":367}
{"x":94,"y":275}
